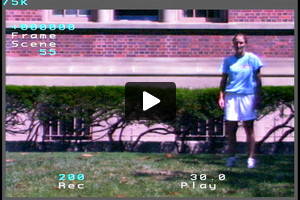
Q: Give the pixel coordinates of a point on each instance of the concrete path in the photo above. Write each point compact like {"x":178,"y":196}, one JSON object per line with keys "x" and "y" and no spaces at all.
{"x":131,"y":66}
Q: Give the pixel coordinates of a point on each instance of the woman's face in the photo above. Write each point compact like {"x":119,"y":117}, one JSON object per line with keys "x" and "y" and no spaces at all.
{"x":239,"y":45}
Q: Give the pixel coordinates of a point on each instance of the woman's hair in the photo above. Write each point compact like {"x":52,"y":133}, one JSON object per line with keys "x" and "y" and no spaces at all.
{"x":238,"y":35}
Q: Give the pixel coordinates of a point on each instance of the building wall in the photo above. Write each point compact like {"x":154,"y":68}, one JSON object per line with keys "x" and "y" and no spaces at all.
{"x":131,"y":132}
{"x":187,"y":42}
{"x":236,"y":15}
{"x":266,"y":15}
{"x":24,"y":15}
{"x":153,"y":45}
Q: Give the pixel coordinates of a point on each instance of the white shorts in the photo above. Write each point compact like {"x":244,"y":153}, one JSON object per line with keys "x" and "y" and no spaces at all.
{"x":239,"y":107}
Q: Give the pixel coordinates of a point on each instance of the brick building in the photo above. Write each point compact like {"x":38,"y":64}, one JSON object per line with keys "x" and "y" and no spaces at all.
{"x":160,"y":33}
{"x":146,"y":41}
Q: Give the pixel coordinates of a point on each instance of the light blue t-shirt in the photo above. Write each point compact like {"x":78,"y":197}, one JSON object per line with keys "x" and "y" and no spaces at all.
{"x":241,"y":73}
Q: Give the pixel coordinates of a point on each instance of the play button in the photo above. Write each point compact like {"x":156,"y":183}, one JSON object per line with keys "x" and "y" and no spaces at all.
{"x":150,"y":101}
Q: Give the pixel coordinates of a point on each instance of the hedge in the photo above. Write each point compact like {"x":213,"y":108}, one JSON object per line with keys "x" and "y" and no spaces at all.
{"x":200,"y":103}
{"x":98,"y":104}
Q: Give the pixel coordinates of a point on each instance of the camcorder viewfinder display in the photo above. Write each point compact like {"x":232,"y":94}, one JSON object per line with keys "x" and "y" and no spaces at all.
{"x":135,"y":99}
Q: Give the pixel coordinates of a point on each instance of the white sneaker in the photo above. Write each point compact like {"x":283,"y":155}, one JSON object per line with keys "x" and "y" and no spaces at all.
{"x":251,"y":163}
{"x":230,"y":162}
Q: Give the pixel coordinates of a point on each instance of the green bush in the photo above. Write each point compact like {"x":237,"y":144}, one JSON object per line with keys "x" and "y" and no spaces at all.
{"x":95,"y":105}
{"x":275,"y":96}
{"x":203,"y":103}
{"x":200,"y":103}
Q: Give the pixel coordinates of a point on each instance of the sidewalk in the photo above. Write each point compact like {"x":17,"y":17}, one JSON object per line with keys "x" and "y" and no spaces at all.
{"x":131,"y":66}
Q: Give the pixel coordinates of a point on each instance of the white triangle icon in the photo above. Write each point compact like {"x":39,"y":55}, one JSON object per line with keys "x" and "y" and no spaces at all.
{"x":149,"y":101}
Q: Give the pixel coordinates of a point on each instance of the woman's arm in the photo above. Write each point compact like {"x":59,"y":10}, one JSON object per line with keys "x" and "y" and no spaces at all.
{"x":258,"y":82}
{"x":258,"y":90}
{"x":222,"y":90}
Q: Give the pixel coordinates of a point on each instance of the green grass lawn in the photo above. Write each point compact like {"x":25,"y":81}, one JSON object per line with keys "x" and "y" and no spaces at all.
{"x":110,"y":174}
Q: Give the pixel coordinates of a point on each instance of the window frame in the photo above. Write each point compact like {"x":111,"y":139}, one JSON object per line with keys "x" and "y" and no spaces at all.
{"x":54,"y":130}
{"x":70,"y":18}
{"x":135,"y":20}
{"x":223,"y":17}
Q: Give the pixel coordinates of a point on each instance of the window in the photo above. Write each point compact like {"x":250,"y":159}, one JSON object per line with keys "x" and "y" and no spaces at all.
{"x":79,"y":15}
{"x":202,"y":130}
{"x":70,"y":129}
{"x":203,"y":15}
{"x":143,"y":15}
{"x":72,"y":13}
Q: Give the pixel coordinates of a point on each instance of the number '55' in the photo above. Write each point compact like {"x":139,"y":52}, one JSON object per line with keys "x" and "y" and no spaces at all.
{"x":43,"y":52}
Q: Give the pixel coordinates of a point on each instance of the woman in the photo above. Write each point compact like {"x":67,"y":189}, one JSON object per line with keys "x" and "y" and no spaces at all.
{"x":240,"y":88}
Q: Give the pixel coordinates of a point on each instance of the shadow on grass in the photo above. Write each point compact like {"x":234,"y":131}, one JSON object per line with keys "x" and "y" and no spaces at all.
{"x":164,"y":175}
{"x":274,"y":172}
{"x":261,"y":182}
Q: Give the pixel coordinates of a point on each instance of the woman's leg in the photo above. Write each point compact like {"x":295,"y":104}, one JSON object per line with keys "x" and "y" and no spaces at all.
{"x":230,"y":131}
{"x":248,"y":125}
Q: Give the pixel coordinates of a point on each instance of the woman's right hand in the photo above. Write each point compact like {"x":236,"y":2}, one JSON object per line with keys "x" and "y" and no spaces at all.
{"x":223,"y":82}
{"x":221,"y":102}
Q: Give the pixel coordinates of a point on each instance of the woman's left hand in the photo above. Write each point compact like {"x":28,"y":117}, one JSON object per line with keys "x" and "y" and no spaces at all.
{"x":257,"y":101}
